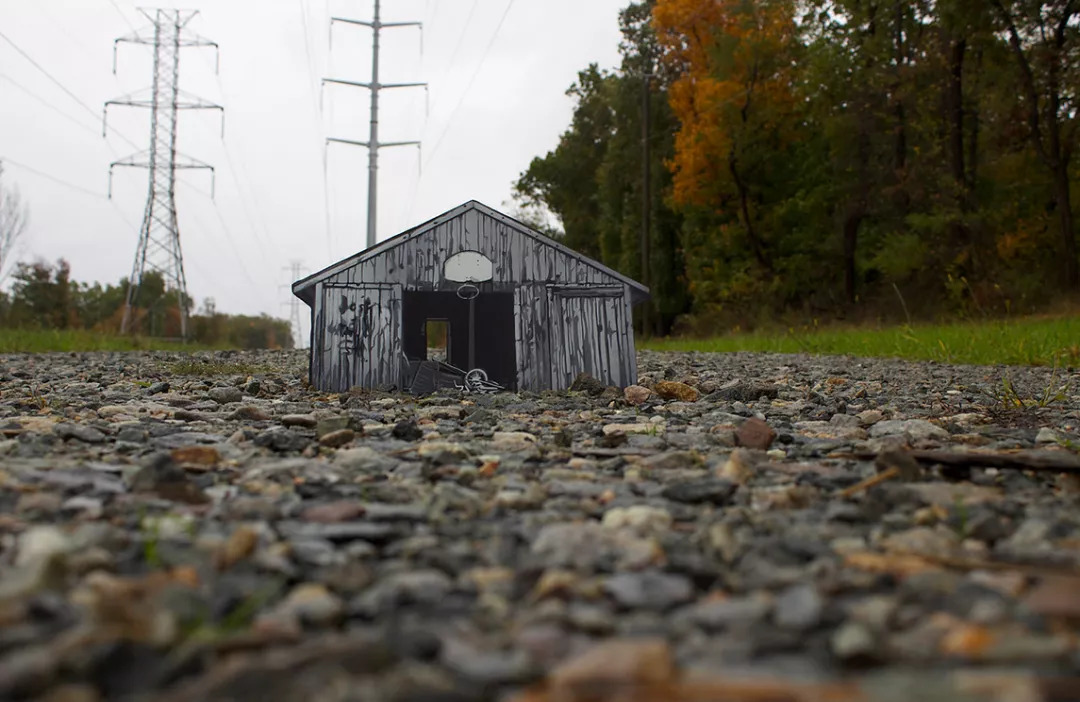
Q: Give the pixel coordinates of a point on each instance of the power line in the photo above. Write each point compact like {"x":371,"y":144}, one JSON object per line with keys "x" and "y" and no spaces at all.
{"x":236,"y":181}
{"x":122,"y":15}
{"x":70,"y":94}
{"x":464,"y":94}
{"x":53,"y":178}
{"x":48,"y":104}
{"x":307,"y":52}
{"x":43,"y":7}
{"x":461,"y":39}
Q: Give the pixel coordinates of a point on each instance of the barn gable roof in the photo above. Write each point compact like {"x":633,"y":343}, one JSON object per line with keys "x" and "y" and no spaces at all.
{"x":305,"y":287}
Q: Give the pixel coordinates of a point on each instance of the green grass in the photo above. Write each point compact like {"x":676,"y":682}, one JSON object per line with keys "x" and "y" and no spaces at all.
{"x":202,"y":368}
{"x":1033,"y":341}
{"x":45,"y":340}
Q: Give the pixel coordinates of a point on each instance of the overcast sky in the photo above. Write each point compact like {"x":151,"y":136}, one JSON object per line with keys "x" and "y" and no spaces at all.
{"x":496,"y":99}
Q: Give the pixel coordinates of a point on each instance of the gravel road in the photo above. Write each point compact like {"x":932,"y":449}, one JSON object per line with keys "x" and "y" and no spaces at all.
{"x":208,"y":528}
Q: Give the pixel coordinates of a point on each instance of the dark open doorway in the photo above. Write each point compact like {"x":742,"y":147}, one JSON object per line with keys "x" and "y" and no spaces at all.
{"x":479,"y":332}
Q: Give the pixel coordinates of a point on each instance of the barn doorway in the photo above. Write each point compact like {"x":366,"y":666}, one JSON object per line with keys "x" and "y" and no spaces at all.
{"x":479,"y":332}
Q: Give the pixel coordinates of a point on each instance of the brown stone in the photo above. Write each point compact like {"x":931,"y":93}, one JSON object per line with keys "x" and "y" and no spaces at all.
{"x":299,"y":420}
{"x":755,"y":434}
{"x":637,"y":395}
{"x":240,"y":544}
{"x":251,"y":413}
{"x":639,"y":661}
{"x":670,"y":390}
{"x":334,"y":512}
{"x":1057,"y":596}
{"x":336,"y":439}
{"x":196,"y":455}
{"x":738,"y":468}
{"x":71,"y":693}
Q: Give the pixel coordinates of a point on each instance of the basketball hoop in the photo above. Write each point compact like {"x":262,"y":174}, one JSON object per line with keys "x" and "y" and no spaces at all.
{"x":468,"y":291}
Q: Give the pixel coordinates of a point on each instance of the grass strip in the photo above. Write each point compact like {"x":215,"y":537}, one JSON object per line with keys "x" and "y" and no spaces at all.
{"x":1032,"y":341}
{"x":69,"y":340}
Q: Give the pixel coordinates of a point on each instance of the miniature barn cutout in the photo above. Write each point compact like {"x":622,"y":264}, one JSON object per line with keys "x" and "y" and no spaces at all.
{"x":471,"y":299}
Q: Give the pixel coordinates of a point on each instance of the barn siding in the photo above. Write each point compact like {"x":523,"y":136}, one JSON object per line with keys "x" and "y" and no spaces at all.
{"x":359,"y":345}
{"x":590,"y":333}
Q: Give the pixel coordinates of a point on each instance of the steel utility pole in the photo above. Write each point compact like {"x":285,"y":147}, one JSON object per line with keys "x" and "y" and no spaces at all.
{"x":159,"y":237}
{"x":646,"y":195}
{"x":373,"y":144}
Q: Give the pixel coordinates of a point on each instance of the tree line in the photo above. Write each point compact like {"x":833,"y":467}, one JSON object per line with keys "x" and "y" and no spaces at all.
{"x":858,"y":159}
{"x":43,"y":296}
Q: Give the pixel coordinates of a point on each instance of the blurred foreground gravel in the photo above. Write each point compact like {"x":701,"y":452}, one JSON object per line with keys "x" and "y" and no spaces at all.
{"x":207,"y":528}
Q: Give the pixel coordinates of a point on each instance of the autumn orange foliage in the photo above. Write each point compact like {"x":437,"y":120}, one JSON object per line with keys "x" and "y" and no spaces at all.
{"x":734,"y":85}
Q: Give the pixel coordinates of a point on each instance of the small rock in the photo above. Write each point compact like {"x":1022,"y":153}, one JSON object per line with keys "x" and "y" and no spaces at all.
{"x":45,"y":503}
{"x":587,"y":384}
{"x":755,"y":434}
{"x":250,"y":413}
{"x":282,"y":440}
{"x":331,"y":425}
{"x":739,"y":467}
{"x":196,"y":455}
{"x":638,"y":428}
{"x":613,"y":664}
{"x":132,"y":435}
{"x":311,"y":604}
{"x":853,"y":642}
{"x":671,"y":390}
{"x":741,"y":391}
{"x":334,"y":512}
{"x":649,"y":590}
{"x":799,"y":608}
{"x":407,"y":430}
{"x":162,"y":476}
{"x":225,"y":395}
{"x":640,"y":518}
{"x":409,"y":587}
{"x":363,"y":459}
{"x":336,"y":439}
{"x":306,"y":421}
{"x":81,"y":432}
{"x":158,"y":388}
{"x":1047,"y":435}
{"x":585,"y":547}
{"x":240,"y":544}
{"x":870,"y":417}
{"x":27,"y":671}
{"x":673,"y":460}
{"x":636,"y":394}
{"x":711,"y":490}
{"x":1056,"y":597}
{"x":442,"y":452}
{"x":735,"y":612}
{"x":917,"y":429}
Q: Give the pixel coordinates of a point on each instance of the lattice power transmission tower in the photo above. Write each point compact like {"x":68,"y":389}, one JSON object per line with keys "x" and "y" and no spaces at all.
{"x":295,"y":321}
{"x":159,"y":237}
{"x":373,"y":144}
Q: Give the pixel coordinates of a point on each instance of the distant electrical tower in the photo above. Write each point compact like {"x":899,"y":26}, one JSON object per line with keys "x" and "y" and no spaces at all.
{"x":295,"y":321}
{"x":159,"y":237}
{"x":373,"y":144}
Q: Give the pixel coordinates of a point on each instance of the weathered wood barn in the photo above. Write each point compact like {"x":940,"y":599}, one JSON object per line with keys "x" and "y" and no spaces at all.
{"x":473,"y":288}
